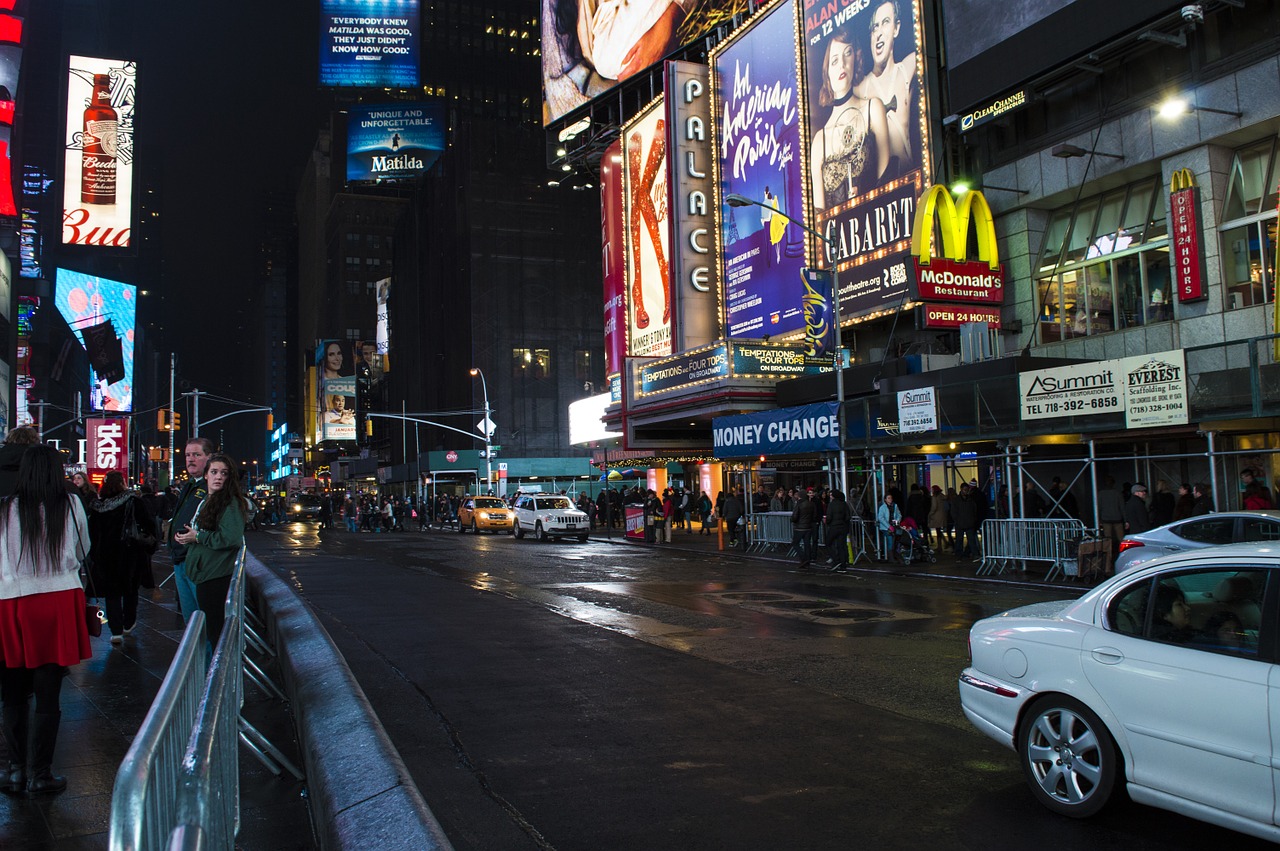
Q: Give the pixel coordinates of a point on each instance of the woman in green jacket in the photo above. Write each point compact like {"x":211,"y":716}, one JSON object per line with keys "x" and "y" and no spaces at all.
{"x":214,"y":542}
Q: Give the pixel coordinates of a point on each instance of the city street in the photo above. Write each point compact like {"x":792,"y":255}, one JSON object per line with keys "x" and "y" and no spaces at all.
{"x":589,"y":696}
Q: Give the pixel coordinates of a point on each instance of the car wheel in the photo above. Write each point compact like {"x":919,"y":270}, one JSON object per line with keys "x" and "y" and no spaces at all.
{"x":461,"y":528}
{"x":1067,"y":756}
{"x":540,"y":533}
{"x":475,"y":530}
{"x":517,"y":530}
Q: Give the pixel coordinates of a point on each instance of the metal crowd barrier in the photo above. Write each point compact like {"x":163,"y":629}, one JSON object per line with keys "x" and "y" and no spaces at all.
{"x":770,"y":530}
{"x":1010,"y":544}
{"x":188,"y":798}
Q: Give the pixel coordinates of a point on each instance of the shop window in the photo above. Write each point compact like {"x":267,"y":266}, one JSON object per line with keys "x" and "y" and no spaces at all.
{"x":531,"y":363}
{"x":1105,"y":265}
{"x":582,"y":361}
{"x":1248,"y":230}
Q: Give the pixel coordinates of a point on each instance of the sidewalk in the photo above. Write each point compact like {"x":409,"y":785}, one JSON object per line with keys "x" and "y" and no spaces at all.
{"x":104,"y":701}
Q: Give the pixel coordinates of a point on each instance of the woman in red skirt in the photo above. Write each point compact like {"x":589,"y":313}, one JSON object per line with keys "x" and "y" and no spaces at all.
{"x":43,"y":537}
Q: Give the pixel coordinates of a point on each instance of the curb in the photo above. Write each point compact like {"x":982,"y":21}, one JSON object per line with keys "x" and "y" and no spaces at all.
{"x":361,"y":793}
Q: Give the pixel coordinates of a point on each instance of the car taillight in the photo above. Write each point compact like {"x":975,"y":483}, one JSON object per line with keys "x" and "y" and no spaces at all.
{"x":1129,"y":543}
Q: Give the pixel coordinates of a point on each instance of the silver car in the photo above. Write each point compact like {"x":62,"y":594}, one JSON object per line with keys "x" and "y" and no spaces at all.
{"x":1194,"y":533}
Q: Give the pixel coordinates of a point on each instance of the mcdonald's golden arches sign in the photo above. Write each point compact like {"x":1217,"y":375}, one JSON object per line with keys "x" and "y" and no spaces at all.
{"x":1188,"y":251}
{"x":951,"y":277}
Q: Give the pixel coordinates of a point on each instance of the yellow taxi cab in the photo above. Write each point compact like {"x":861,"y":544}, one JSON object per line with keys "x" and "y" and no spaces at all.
{"x":489,"y":513}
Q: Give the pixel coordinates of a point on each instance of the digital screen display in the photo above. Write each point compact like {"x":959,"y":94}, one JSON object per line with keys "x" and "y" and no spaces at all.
{"x":97,"y":202}
{"x":393,"y":141}
{"x":10,"y":66}
{"x":336,"y":384}
{"x":102,"y":313}
{"x":589,"y":46}
{"x":370,"y":44}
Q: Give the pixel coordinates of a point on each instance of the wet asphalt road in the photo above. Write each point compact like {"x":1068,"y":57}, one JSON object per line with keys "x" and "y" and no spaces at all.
{"x":600,"y":696}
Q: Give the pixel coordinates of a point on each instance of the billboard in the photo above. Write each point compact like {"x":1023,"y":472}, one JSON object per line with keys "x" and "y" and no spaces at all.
{"x":103,"y":315}
{"x":382,"y":324}
{"x":867,"y":144}
{"x":589,"y":46}
{"x":107,"y":447}
{"x":613,"y":259}
{"x":10,"y":66}
{"x":97,"y":176}
{"x":993,"y":47}
{"x":393,"y":141}
{"x":758,"y":156}
{"x":645,"y":213}
{"x":370,"y":44}
{"x":336,"y":386}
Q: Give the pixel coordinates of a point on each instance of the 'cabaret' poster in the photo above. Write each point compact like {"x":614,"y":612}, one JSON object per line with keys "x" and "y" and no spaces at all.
{"x":758,"y":156}
{"x":866,"y":144}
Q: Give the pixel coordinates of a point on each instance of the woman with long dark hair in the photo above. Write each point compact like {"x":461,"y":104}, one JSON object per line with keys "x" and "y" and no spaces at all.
{"x":119,"y":569}
{"x":43,"y":538}
{"x":214,"y":540}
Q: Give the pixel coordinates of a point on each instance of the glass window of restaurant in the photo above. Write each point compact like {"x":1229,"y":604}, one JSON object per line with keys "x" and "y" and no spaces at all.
{"x":1248,"y":229}
{"x":1105,"y":264}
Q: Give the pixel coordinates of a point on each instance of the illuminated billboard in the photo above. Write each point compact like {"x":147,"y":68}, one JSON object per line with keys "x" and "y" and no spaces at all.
{"x":758,"y":156}
{"x":993,"y":47}
{"x":647,"y":230}
{"x":393,"y":141}
{"x":103,"y":314}
{"x":867,"y":143}
{"x":10,"y":66}
{"x":613,"y":259}
{"x":589,"y":46}
{"x":369,"y":44}
{"x":336,"y":386}
{"x":97,"y":201}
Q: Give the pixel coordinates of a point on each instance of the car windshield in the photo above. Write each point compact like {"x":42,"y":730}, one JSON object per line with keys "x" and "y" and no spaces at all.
{"x":489,"y":502}
{"x":557,"y":502}
{"x":308,"y":500}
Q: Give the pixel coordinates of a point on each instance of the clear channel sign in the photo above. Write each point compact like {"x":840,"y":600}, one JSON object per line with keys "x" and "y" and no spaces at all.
{"x":1151,"y":390}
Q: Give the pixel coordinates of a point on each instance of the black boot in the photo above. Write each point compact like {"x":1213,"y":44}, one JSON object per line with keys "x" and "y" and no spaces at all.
{"x":42,"y":744}
{"x":15,"y":736}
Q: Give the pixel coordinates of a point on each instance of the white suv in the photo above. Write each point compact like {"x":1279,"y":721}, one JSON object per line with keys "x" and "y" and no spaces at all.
{"x":550,"y":516}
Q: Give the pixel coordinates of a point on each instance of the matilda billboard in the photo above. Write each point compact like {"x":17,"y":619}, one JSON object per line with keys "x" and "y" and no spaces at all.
{"x":393,"y":141}
{"x":97,"y":177}
{"x":866,"y":143}
{"x":369,"y":44}
{"x":758,"y":157}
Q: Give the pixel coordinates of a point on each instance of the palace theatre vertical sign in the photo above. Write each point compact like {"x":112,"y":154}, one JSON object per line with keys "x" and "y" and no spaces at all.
{"x":1188,"y":252}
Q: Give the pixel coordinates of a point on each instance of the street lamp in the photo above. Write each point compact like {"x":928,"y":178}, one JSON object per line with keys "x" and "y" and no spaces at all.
{"x":736,"y":200}
{"x":487,"y":428}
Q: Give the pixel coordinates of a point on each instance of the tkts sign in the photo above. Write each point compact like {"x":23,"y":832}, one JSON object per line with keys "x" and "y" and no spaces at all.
{"x":107,"y":447}
{"x":1188,"y":254}
{"x":952,"y":277}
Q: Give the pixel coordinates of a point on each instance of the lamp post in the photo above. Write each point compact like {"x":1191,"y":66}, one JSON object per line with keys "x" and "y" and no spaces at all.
{"x":487,"y":428}
{"x":736,"y":200}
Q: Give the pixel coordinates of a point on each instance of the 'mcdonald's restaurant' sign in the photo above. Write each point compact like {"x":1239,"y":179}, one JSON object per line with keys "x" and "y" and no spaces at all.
{"x":953,"y":278}
{"x":1188,"y":253}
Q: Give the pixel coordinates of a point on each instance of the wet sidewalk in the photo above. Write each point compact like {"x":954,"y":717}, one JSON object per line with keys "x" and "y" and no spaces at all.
{"x":104,"y":701}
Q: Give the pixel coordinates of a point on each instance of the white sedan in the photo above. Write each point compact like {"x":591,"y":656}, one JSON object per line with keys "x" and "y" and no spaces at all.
{"x":1162,"y":681}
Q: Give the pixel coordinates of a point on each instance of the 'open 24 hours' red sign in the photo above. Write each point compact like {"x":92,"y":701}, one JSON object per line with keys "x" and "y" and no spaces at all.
{"x":1188,"y":254}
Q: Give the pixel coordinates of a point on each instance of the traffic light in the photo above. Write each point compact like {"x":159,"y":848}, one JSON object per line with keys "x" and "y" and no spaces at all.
{"x":177,"y":421}
{"x":160,"y":423}
{"x":271,"y":421}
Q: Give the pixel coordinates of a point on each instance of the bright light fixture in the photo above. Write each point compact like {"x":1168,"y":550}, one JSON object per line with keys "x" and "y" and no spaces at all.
{"x":1172,"y":107}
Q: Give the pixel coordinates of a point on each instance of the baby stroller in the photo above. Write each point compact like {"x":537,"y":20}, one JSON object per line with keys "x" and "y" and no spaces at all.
{"x":910,"y":545}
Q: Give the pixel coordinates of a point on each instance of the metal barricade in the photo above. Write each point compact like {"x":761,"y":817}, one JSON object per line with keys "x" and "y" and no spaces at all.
{"x":1010,"y":544}
{"x":770,"y":530}
{"x":144,"y":801}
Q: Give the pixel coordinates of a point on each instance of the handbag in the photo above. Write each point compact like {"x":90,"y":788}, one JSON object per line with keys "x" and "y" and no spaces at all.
{"x":132,"y":537}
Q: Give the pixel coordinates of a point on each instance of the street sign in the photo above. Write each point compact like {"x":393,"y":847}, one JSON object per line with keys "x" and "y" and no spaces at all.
{"x":486,"y":426}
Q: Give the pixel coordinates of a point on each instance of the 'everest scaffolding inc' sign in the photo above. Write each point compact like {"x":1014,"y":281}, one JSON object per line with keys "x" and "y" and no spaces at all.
{"x":1151,"y":390}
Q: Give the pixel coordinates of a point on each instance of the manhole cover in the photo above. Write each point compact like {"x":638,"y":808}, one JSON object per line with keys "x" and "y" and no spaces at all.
{"x":794,"y":604}
{"x":754,"y":596}
{"x":853,"y":614}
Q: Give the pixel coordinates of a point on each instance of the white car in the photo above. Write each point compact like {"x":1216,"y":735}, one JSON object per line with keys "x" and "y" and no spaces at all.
{"x":1163,"y":680}
{"x":550,"y":516}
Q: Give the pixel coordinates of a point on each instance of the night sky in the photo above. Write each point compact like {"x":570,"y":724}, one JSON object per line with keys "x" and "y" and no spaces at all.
{"x":228,"y":95}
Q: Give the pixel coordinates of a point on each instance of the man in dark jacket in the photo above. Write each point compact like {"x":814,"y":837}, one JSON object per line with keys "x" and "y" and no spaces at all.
{"x":918,"y":506}
{"x":804,"y":521}
{"x":1136,"y":518}
{"x":15,"y":446}
{"x":1204,"y":502}
{"x":837,"y":521}
{"x":964,"y":513}
{"x":197,"y":454}
{"x":733,"y":509}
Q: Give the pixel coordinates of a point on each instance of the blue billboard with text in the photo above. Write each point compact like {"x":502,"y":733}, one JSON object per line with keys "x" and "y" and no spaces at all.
{"x":370,"y":44}
{"x":393,"y":141}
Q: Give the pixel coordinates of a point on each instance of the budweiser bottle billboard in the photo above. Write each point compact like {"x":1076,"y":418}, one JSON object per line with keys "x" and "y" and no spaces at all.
{"x":98,"y":157}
